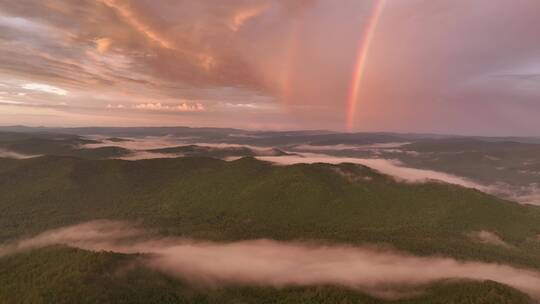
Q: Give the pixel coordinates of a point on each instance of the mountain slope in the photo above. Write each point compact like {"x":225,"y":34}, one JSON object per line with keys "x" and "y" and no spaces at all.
{"x":246,"y":199}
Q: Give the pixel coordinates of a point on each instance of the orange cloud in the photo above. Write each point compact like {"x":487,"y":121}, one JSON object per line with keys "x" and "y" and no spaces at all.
{"x":242,"y":16}
{"x":124,"y":9}
{"x":103,"y":44}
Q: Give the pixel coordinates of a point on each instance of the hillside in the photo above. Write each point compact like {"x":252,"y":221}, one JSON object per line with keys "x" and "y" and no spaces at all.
{"x":246,"y":199}
{"x":207,"y":198}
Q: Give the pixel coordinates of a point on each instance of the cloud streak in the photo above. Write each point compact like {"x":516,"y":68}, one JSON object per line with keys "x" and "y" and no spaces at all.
{"x":381,"y":273}
{"x":45,"y":88}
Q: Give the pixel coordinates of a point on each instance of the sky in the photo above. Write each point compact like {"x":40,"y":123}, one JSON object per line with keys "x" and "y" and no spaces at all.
{"x":438,"y":66}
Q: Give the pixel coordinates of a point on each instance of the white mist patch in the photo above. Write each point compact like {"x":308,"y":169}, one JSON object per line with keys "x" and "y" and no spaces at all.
{"x":337,"y":147}
{"x":523,"y":194}
{"x":532,"y":198}
{"x":86,"y":233}
{"x":385,"y":166}
{"x":258,"y":150}
{"x":382,"y":273}
{"x":488,"y":237}
{"x":15,"y":155}
{"x":160,"y":142}
{"x":140,"y":155}
{"x":340,"y":147}
{"x":139,"y":143}
{"x":245,"y":135}
{"x":140,"y":146}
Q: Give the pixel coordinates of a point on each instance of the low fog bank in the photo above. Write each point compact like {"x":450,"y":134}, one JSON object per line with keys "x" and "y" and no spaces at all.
{"x":378,"y":272}
{"x":160,"y":142}
{"x":140,"y":155}
{"x":15,"y":155}
{"x":529,"y":194}
{"x":141,"y":147}
{"x":136,"y":143}
{"x":524,"y":194}
{"x":341,"y":147}
{"x":393,"y":168}
{"x":91,"y":233}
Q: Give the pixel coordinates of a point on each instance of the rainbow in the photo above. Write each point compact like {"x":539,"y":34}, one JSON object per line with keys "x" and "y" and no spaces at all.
{"x":361,"y":59}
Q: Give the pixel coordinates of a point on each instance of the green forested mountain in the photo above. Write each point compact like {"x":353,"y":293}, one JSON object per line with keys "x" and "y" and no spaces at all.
{"x":211,"y":199}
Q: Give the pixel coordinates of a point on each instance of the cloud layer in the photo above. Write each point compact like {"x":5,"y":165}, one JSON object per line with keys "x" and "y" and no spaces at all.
{"x":378,"y":272}
{"x":437,"y":66}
